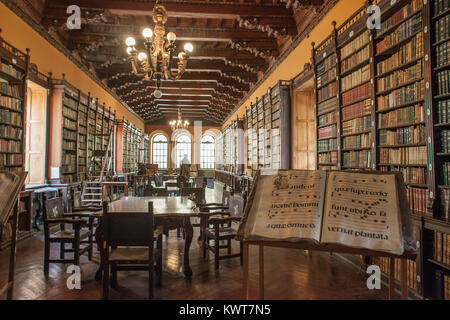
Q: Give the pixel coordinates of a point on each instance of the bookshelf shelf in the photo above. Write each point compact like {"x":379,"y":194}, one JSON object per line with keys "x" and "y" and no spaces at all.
{"x":399,"y":67}
{"x":392,"y":49}
{"x":400,"y":106}
{"x":442,"y":265}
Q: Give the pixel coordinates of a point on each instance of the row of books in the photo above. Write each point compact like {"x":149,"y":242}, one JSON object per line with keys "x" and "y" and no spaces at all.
{"x":442,"y":54}
{"x":441,"y":247}
{"x":408,"y":52}
{"x":10,"y":117}
{"x":414,"y":175}
{"x":358,"y":141}
{"x":69,"y":135}
{"x":327,"y":145}
{"x":407,"y":115}
{"x":404,"y":156}
{"x":443,"y":79}
{"x":10,"y":146}
{"x":327,"y":132}
{"x":359,"y":109}
{"x":11,"y":71}
{"x":356,"y":59}
{"x":356,"y":125}
{"x":400,"y":136}
{"x":401,"y":77}
{"x":355,"y":45}
{"x":357,"y":159}
{"x":404,"y":95}
{"x":356,"y":78}
{"x":68,"y":102}
{"x":327,"y":106}
{"x":403,"y":31}
{"x":326,"y":77}
{"x":326,"y":64}
{"x":418,"y":199}
{"x":445,"y":204}
{"x":69,"y":113}
{"x":10,"y":89}
{"x":326,"y":158}
{"x":356,"y":94}
{"x":443,"y":28}
{"x":69,"y":124}
{"x":68,"y":159}
{"x":10,"y":132}
{"x":327,"y":92}
{"x":443,"y":111}
{"x":411,"y":266}
{"x":327,"y":118}
{"x":444,"y":141}
{"x":11,"y":159}
{"x":69,"y":145}
{"x":441,"y":6}
{"x":445,"y":174}
{"x":400,"y":15}
{"x":11,"y":103}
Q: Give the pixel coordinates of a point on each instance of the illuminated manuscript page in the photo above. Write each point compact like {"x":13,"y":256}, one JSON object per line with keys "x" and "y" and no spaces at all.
{"x":287,"y":206}
{"x":361,"y":210}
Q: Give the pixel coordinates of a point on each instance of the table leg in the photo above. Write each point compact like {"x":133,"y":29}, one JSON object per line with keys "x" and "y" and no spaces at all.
{"x":99,"y":240}
{"x":187,"y":245}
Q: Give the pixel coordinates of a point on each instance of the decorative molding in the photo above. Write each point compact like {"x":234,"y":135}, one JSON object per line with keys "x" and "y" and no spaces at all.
{"x":17,"y":10}
{"x":304,"y":34}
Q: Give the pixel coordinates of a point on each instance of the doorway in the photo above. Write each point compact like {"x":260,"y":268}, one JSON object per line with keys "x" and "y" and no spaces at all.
{"x":35,"y":147}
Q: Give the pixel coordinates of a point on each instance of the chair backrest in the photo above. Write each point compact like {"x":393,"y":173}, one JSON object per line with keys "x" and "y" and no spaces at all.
{"x":196,"y":194}
{"x":199,"y":182}
{"x":159,"y":179}
{"x":226,"y":195}
{"x":128,"y":229}
{"x":54,"y":208}
{"x":237,"y":204}
{"x":181,"y":181}
{"x":77,"y":199}
{"x":210,"y":183}
{"x":156,"y":192}
{"x":185,"y":170}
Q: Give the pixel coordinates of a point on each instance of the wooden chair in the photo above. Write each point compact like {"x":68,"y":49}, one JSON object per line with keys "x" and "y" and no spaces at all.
{"x":54,"y":215}
{"x":156,"y":192}
{"x":129,"y":245}
{"x":182,"y":182}
{"x":199,"y":182}
{"x":197,"y":195}
{"x":87,"y":211}
{"x":222,"y":230}
{"x":159,"y":180}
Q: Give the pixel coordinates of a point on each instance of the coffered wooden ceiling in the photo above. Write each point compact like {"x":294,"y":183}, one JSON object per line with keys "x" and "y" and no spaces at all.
{"x":235,"y":42}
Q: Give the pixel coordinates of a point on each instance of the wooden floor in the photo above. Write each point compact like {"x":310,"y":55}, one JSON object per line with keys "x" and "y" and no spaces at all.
{"x":290,"y":274}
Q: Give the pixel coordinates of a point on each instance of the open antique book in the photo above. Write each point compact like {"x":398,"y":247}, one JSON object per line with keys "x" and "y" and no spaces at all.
{"x":354,"y":209}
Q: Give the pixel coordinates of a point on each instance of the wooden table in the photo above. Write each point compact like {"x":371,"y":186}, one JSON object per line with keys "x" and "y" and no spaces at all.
{"x":169,"y":212}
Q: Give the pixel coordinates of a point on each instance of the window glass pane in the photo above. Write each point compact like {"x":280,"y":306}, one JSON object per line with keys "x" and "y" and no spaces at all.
{"x":183,"y":148}
{"x":207,"y":152}
{"x":160,"y":150}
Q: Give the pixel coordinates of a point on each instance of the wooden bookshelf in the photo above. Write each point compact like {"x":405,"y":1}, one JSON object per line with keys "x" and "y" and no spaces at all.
{"x":129,"y":143}
{"x":401,"y":82}
{"x":14,"y":66}
{"x":268,"y":130}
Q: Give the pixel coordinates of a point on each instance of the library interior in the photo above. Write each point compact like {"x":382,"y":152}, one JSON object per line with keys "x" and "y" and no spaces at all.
{"x":225,"y":149}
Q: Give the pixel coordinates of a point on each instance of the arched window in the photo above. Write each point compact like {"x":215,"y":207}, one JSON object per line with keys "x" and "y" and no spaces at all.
{"x":160,"y":151}
{"x":207,"y":152}
{"x":183,"y":148}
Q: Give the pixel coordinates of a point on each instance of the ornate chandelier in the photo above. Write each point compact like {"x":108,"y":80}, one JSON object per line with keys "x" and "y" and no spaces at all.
{"x":156,"y":61}
{"x":179,"y":124}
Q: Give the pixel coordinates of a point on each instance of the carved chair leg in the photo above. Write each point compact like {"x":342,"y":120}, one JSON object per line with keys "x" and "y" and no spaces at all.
{"x":76,"y":247}
{"x":159,"y":262}
{"x":241,"y":257}
{"x":105,"y":280}
{"x":114,"y":283}
{"x":216,"y":249}
{"x":91,"y":238}
{"x":229,"y":246}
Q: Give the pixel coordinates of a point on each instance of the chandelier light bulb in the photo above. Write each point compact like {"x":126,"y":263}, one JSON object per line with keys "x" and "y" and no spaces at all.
{"x":147,"y":33}
{"x":188,"y":47}
{"x":130,"y":42}
{"x":181,"y":55}
{"x":142,"y":56}
{"x":157,"y":93}
{"x":129,"y":50}
{"x":171,"y":36}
